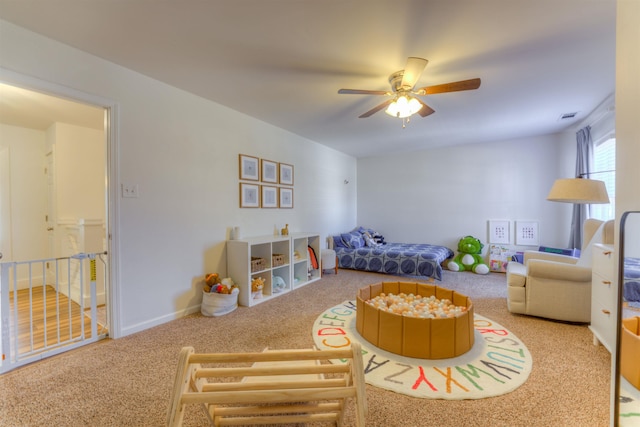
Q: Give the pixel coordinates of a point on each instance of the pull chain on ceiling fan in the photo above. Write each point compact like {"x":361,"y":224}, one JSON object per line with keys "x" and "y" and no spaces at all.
{"x":404,"y":102}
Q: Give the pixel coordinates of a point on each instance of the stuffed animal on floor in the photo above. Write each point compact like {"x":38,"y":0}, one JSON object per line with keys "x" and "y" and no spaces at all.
{"x":469,"y":257}
{"x":211,"y":280}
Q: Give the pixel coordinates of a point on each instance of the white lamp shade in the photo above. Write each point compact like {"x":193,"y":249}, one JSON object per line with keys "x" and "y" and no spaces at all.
{"x":579,"y":190}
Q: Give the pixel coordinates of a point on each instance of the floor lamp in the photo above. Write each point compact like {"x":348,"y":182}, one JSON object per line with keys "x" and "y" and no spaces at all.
{"x":579,"y":190}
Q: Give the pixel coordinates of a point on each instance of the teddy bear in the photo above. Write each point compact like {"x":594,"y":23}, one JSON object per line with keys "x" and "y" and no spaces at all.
{"x":469,"y":256}
{"x":210,"y":281}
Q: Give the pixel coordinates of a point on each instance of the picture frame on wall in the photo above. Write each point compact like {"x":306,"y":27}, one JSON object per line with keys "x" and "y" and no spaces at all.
{"x":249,"y":195}
{"x":249,"y":167}
{"x":286,"y":174}
{"x":269,"y":171}
{"x":269,"y":197}
{"x":286,"y":198}
{"x":527,"y":233}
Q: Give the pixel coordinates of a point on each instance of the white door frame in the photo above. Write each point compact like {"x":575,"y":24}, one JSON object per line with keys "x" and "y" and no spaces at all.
{"x":6,"y":250}
{"x":112,"y":181}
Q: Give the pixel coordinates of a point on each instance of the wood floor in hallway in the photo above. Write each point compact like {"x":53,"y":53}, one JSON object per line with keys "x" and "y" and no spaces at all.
{"x":46,"y":316}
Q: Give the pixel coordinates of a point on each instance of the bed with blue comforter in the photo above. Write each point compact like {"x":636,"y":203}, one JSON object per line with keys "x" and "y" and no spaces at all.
{"x":364,"y":249}
{"x":631,"y":290}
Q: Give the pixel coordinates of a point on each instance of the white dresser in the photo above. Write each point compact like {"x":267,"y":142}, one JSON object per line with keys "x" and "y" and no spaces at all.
{"x":604,"y":295}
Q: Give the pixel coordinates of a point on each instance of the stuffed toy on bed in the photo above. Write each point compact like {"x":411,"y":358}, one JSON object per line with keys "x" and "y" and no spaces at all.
{"x":469,"y":257}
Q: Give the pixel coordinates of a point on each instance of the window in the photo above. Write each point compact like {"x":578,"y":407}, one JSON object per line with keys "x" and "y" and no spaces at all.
{"x":604,"y":165}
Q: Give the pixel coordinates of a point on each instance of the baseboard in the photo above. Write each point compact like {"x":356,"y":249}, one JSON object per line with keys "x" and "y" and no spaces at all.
{"x":25,"y":283}
{"x":142,"y":326}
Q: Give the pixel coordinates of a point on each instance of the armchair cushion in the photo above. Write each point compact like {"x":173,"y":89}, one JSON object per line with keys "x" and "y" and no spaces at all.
{"x":529,"y":255}
{"x":517,"y":274}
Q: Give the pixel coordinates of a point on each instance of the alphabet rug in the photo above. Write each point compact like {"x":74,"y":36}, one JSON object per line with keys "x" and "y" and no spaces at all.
{"x":498,"y":362}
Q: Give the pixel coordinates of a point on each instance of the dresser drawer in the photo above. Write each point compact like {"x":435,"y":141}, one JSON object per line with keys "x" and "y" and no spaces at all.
{"x":603,"y":324}
{"x":602,"y":261}
{"x":603,"y":289}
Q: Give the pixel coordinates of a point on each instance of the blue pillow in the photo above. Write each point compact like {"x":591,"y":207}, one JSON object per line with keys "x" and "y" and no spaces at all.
{"x":365,"y":230}
{"x":353,"y":240}
{"x":338,"y":242}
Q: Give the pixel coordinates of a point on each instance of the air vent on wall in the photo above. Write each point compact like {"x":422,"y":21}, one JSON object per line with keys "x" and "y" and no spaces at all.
{"x":566,"y":116}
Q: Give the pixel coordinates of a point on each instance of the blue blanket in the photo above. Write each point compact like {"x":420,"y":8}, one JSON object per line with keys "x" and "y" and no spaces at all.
{"x":402,"y":259}
{"x":632,"y":279}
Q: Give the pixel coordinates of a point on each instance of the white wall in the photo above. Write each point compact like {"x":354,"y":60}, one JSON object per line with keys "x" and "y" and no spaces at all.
{"x":80,"y":168}
{"x":440,"y":195}
{"x":28,"y":191}
{"x":182,"y":152}
{"x":627,"y":130}
{"x":627,"y":106}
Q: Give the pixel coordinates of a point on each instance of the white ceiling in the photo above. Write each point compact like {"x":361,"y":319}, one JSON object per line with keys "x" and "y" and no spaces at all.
{"x":283,"y":61}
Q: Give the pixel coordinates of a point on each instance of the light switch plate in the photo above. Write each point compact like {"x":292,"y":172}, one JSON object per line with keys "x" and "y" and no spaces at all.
{"x":130,"y":190}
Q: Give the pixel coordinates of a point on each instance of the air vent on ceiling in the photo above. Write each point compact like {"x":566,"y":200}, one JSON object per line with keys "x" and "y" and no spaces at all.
{"x":566,"y":116}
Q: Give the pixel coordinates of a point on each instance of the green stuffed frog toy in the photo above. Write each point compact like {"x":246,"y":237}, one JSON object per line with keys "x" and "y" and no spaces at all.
{"x":469,"y":257}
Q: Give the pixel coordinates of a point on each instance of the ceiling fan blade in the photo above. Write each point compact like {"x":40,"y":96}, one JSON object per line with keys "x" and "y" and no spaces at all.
{"x":450,"y":87}
{"x":425,"y":110}
{"x":363,"y":92}
{"x":412,"y":71}
{"x":376,"y":109}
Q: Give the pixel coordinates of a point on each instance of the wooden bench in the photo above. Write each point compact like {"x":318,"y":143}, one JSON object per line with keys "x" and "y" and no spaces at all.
{"x":271,"y":387}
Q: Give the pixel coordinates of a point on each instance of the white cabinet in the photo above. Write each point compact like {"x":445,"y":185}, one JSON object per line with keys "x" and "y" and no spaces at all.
{"x":604,"y":294}
{"x":283,"y":263}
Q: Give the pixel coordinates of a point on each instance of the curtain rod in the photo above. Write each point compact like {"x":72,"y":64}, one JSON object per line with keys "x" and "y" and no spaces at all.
{"x":603,"y":114}
{"x":583,"y":174}
{"x":598,"y":113}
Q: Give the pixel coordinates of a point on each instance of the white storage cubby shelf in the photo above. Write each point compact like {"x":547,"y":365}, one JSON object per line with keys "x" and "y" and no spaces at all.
{"x":292,"y":264}
{"x":303,"y":271}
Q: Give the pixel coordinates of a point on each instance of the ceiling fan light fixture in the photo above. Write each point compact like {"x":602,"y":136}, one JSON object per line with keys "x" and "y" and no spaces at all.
{"x":403,"y":106}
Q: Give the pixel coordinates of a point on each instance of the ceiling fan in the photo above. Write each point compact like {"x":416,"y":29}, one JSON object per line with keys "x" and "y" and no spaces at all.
{"x":403,"y":102}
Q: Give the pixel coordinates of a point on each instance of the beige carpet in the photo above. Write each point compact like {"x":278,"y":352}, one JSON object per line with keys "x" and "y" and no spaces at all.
{"x":126,"y":382}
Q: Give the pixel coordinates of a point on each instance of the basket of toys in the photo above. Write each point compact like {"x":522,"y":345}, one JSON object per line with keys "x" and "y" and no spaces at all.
{"x":219,"y":297}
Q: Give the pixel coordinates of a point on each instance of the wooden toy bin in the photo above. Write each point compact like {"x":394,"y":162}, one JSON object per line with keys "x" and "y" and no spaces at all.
{"x":271,"y":387}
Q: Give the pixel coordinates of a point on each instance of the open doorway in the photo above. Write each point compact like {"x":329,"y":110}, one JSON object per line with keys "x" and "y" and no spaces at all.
{"x":54,"y":209}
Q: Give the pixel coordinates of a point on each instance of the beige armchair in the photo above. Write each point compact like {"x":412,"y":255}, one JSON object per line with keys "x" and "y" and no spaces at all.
{"x":556,"y":286}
